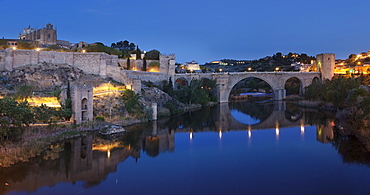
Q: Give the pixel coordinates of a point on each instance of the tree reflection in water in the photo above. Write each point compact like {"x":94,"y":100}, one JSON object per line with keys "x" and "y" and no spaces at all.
{"x":82,"y":160}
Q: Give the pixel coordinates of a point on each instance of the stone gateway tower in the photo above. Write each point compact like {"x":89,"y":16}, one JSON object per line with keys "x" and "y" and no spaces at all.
{"x":82,"y":103}
{"x":325,"y":63}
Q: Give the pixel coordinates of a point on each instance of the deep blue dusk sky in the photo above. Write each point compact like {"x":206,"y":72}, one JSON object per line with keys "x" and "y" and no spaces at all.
{"x":202,"y":30}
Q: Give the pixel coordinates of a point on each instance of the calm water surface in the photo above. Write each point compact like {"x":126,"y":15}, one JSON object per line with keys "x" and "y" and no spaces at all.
{"x":240,"y":148}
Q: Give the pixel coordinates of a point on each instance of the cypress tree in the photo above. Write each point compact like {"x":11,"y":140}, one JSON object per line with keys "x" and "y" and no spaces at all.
{"x":144,"y":64}
{"x":128,"y":63}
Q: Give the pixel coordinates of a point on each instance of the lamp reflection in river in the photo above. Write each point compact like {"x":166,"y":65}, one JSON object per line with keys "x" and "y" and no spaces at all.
{"x":249,"y":134}
{"x":277,"y":131}
{"x":302,"y":128}
{"x":108,"y":153}
{"x":220,"y":134}
{"x":191,"y":136}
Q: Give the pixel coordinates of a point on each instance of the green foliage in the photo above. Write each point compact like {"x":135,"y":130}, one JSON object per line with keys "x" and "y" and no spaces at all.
{"x":13,"y":115}
{"x":46,"y":114}
{"x":138,"y":53}
{"x":144,"y":64}
{"x":124,"y":45}
{"x":154,"y":65}
{"x":24,"y":92}
{"x":152,"y":55}
{"x":131,"y":101}
{"x":128,"y":64}
{"x":168,"y":87}
{"x":336,"y":91}
{"x":3,"y":44}
{"x":26,"y":45}
{"x":100,"y":47}
{"x":197,"y":92}
{"x":66,"y":107}
{"x":56,"y":93}
{"x":99,"y":118}
{"x":56,"y":48}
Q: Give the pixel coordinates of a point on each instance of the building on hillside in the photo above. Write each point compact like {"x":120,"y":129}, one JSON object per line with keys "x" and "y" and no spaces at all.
{"x":44,"y":36}
{"x":192,"y":66}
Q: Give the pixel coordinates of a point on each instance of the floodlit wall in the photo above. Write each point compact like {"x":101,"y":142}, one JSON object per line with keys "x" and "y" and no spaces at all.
{"x":90,"y":62}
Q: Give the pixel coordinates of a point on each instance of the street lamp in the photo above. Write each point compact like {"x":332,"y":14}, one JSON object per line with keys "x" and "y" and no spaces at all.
{"x":249,"y":69}
{"x":277,"y":69}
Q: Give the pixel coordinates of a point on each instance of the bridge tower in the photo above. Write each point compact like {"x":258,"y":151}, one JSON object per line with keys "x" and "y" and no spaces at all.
{"x":325,"y":64}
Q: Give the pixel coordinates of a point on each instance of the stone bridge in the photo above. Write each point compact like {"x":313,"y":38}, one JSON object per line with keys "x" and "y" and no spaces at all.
{"x":277,"y":80}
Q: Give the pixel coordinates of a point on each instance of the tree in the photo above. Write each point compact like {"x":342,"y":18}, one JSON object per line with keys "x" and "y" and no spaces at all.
{"x":66,"y":107}
{"x":13,"y":115}
{"x":144,"y":64}
{"x":152,"y":55}
{"x":24,"y":92}
{"x":138,"y":53}
{"x":128,"y":64}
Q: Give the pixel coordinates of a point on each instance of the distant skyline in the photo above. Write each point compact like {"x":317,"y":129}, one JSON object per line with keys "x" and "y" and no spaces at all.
{"x":202,"y":30}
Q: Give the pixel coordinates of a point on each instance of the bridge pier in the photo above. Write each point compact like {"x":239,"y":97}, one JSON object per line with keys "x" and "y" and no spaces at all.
{"x":279,"y":94}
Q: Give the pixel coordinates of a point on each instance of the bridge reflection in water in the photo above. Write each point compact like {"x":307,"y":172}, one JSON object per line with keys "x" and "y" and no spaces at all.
{"x":92,"y":158}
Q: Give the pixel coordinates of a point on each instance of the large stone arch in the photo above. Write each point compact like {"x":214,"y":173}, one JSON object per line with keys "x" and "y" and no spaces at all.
{"x":300,"y":83}
{"x":234,"y":81}
{"x":181,"y":81}
{"x":241,"y":79}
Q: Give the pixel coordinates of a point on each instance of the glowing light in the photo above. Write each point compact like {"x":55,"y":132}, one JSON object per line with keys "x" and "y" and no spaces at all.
{"x":302,"y":129}
{"x":249,"y":69}
{"x":277,"y":131}
{"x":220,"y":134}
{"x":249,"y":134}
{"x":191,"y":136}
{"x":277,"y":69}
{"x":83,"y":51}
{"x":38,"y":49}
{"x":108,"y":153}
{"x":14,"y":48}
{"x":220,"y":69}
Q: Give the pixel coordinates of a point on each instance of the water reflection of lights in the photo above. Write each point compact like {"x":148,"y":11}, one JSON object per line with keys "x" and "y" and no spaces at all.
{"x":220,"y":134}
{"x":191,"y":136}
{"x":108,"y":153}
{"x":249,"y":134}
{"x":277,"y":131}
{"x":302,"y":130}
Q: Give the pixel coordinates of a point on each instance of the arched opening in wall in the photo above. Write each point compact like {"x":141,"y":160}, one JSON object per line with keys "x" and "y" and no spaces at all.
{"x":180,"y":82}
{"x":84,"y":108}
{"x":251,"y":88}
{"x":293,"y":86}
{"x":84,"y":104}
{"x":248,"y":101}
{"x":315,"y":81}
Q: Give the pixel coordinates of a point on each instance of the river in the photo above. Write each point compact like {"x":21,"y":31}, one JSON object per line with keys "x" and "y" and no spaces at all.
{"x":237,"y":148}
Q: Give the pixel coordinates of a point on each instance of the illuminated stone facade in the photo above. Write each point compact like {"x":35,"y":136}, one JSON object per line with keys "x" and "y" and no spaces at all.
{"x":44,"y":36}
{"x":325,"y":63}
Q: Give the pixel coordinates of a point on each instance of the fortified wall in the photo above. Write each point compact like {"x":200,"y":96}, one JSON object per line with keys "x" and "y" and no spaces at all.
{"x":90,"y":63}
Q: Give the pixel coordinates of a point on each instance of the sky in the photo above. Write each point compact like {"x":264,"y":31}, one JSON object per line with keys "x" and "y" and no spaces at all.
{"x":202,"y":30}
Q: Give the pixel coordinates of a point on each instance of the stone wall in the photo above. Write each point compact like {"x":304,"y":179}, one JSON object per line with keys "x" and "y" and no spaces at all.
{"x":90,"y":62}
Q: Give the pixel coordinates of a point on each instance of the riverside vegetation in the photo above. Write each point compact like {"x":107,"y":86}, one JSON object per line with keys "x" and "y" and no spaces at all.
{"x":26,"y":131}
{"x":350,"y":99}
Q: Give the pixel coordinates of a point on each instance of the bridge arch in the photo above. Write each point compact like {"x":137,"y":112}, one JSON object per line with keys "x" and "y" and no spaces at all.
{"x":251,"y":79}
{"x":293,"y":86}
{"x":181,"y":82}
